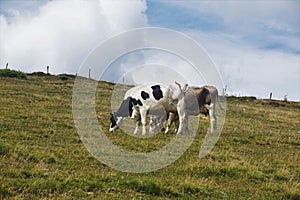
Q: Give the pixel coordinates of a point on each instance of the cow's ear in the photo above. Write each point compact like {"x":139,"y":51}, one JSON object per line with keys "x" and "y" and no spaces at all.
{"x":112,"y":117}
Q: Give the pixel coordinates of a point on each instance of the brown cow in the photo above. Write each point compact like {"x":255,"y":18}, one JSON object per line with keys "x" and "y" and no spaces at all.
{"x":197,"y":100}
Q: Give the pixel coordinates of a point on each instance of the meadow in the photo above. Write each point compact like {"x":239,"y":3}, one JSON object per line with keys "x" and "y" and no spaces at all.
{"x":42,"y":156}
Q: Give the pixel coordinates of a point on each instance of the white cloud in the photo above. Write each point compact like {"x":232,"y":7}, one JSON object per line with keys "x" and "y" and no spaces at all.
{"x":150,"y":65}
{"x":165,"y":67}
{"x":255,"y":44}
{"x":285,"y":13}
{"x":155,"y":65}
{"x":153,"y":73}
{"x":255,"y":21}
{"x":247,"y":70}
{"x":62,"y":33}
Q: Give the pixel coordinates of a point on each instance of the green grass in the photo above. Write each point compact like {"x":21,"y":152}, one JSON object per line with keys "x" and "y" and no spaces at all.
{"x":42,"y":156}
{"x":12,"y":73}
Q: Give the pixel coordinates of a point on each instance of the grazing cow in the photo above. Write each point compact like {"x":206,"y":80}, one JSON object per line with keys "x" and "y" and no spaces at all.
{"x":205,"y":104}
{"x":139,"y":100}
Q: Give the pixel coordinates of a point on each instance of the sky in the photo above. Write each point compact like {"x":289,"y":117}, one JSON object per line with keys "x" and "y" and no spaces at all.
{"x":255,"y":45}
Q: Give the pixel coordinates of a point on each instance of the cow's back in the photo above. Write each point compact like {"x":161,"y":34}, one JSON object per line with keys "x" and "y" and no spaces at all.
{"x":150,"y":94}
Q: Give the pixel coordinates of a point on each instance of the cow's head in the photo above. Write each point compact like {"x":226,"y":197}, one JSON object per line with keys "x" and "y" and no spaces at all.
{"x":114,"y":121}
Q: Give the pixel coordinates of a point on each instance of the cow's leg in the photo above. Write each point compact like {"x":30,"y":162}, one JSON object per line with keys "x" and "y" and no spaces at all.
{"x":151,"y":125}
{"x":119,"y":121}
{"x":182,"y":118}
{"x":143,"y":113}
{"x":137,"y":124}
{"x":213,"y":119}
{"x":162,"y":121}
{"x":168,"y":127}
{"x":135,"y":113}
{"x":176,"y":123}
{"x":169,"y":122}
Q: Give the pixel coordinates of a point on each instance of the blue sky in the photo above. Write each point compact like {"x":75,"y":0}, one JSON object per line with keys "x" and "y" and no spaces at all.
{"x":182,"y":16}
{"x":164,"y":14}
{"x":254,"y":44}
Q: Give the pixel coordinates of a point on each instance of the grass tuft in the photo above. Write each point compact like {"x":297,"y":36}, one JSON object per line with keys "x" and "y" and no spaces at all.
{"x":12,"y":73}
{"x":4,"y":149}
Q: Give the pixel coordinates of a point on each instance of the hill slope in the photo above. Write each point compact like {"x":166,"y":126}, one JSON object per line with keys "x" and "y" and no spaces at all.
{"x":42,"y":156}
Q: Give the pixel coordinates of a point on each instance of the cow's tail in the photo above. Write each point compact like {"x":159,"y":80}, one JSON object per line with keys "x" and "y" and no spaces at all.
{"x":184,"y":89}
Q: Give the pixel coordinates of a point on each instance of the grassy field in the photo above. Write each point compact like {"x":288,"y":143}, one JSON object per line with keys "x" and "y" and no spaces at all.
{"x":42,"y":156}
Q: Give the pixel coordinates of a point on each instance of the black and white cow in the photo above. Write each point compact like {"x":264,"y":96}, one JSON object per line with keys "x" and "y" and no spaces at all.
{"x":140,"y":100}
{"x":206,"y":99}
